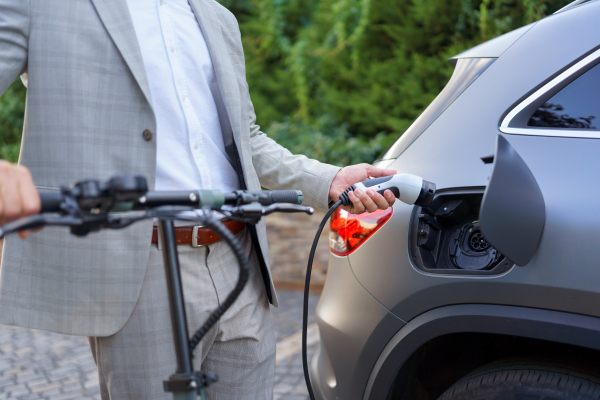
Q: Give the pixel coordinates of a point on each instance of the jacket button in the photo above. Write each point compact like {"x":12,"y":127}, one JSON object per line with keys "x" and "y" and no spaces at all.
{"x":147,"y":135}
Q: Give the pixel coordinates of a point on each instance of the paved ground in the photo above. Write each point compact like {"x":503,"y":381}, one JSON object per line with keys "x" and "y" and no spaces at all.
{"x":290,"y":239}
{"x":289,"y":377}
{"x":42,"y":365}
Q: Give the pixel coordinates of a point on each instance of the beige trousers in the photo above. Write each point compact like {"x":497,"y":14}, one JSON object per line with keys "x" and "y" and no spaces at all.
{"x":240,"y":348}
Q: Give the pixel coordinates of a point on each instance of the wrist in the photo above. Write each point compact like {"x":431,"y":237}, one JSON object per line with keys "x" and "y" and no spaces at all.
{"x":334,"y":188}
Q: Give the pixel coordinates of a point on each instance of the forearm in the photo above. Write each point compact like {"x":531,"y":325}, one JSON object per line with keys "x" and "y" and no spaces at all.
{"x":278,"y":168}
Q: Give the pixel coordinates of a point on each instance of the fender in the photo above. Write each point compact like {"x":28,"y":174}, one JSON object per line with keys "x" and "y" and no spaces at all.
{"x":532,"y":323}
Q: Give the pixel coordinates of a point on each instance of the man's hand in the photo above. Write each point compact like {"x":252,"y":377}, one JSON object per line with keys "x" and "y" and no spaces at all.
{"x":361,"y":201}
{"x":18,"y":196}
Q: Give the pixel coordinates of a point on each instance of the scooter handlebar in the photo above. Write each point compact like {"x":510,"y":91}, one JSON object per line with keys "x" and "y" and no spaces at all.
{"x":51,"y":201}
{"x":268,"y":197}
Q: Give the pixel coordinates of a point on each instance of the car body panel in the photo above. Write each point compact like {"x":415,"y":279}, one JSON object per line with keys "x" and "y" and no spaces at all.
{"x":465,"y":73}
{"x":352,"y":337}
{"x":563,"y":273}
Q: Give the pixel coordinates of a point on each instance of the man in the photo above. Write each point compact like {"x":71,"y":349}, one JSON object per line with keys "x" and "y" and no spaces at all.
{"x":157,"y":88}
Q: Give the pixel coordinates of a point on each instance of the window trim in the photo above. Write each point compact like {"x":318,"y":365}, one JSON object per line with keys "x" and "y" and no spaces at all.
{"x":554,"y":85}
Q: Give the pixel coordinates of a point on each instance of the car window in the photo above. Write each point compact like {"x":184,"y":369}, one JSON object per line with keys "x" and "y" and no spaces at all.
{"x":576,"y":106}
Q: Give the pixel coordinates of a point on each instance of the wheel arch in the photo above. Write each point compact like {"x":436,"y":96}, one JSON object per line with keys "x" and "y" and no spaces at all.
{"x":543,"y":325}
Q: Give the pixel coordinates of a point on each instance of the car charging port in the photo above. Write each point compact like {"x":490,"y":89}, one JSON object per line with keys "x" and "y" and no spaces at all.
{"x":445,"y":236}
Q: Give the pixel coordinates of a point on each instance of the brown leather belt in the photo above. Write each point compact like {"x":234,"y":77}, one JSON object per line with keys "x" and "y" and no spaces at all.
{"x":203,"y":236}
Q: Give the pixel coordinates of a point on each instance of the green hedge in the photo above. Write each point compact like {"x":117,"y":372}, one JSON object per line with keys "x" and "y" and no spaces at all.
{"x":360,"y":69}
{"x":12,"y":109}
{"x":327,"y":141}
{"x":339,"y":80}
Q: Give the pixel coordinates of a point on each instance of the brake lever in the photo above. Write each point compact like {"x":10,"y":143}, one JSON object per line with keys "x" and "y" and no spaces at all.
{"x":253,"y":212}
{"x":287,"y":208}
{"x":36,"y":221}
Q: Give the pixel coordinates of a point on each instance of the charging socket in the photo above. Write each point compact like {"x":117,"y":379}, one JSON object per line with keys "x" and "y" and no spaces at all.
{"x":445,"y":237}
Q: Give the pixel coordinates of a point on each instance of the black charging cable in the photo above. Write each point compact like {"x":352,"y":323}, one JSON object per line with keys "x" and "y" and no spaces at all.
{"x":343,"y":201}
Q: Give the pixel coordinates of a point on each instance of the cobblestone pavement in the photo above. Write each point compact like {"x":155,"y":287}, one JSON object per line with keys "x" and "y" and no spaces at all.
{"x":290,"y":237}
{"x":42,"y":365}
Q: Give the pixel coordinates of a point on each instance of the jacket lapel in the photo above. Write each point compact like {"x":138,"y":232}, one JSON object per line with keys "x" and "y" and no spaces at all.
{"x":226,"y":78}
{"x":117,"y":21}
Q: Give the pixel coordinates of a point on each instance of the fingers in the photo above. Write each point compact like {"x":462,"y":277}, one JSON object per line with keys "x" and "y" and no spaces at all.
{"x":369,"y":201}
{"x":379,"y":172}
{"x":18,"y":196}
{"x":378,"y":199}
{"x":357,"y":205}
{"x":10,"y":194}
{"x":30,"y":198}
{"x":25,"y":234}
{"x":389,"y":197}
{"x":364,"y":202}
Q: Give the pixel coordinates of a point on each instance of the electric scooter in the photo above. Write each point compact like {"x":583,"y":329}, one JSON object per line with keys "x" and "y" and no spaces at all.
{"x":93,"y":205}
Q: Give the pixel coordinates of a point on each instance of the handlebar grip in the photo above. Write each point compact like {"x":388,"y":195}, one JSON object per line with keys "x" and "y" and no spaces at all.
{"x":284,"y":196}
{"x":51,"y":201}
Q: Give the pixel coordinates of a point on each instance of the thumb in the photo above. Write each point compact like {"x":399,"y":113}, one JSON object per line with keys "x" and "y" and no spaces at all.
{"x":379,"y":172}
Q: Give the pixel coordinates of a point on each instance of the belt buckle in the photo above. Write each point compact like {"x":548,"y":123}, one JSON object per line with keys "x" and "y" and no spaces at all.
{"x":195,"y":236}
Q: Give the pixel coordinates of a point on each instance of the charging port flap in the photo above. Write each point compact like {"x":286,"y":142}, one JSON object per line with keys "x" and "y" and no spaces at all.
{"x":513,"y":211}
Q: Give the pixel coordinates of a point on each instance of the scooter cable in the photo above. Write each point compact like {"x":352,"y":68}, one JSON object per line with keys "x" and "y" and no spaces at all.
{"x":244,"y":265}
{"x":306,"y":293}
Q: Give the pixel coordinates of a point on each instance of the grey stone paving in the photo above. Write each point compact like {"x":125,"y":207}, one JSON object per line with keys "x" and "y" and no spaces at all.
{"x":43,"y":365}
{"x":287,"y":318}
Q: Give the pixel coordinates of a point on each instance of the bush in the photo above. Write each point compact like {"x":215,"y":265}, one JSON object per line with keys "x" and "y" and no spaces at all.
{"x":10,"y":152}
{"x":12,"y":110}
{"x":326,"y":141}
{"x":339,"y":80}
{"x":360,"y":69}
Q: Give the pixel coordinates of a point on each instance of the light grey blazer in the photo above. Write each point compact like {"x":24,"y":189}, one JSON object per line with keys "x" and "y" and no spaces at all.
{"x":88,"y":102}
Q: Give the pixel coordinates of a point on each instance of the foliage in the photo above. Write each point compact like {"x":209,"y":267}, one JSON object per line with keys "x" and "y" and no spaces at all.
{"x":369,"y":66}
{"x":327,"y":141}
{"x":338,"y":80}
{"x":12,"y":109}
{"x":10,"y":151}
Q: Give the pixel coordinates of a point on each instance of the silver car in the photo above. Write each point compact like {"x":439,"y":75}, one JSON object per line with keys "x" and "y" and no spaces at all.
{"x":492,"y":291}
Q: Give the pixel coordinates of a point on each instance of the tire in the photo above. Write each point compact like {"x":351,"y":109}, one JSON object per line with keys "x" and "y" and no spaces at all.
{"x":524,"y":380}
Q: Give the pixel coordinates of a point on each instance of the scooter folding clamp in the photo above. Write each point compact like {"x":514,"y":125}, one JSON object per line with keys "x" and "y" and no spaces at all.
{"x":185,"y":382}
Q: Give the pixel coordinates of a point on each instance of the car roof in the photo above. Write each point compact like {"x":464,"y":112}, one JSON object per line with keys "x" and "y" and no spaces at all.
{"x":571,"y":5}
{"x":495,"y":47}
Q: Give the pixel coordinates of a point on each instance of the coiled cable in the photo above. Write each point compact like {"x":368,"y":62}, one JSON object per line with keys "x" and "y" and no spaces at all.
{"x":237,"y":249}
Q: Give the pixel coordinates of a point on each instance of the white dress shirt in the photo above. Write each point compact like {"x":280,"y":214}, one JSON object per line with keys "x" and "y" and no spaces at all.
{"x":190,"y":151}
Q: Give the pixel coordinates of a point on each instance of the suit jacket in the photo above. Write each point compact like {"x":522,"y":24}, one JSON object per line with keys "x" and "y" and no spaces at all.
{"x":88,"y":104}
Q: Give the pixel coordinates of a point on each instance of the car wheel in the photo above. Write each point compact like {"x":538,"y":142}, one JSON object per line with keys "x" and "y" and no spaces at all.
{"x":524,"y":380}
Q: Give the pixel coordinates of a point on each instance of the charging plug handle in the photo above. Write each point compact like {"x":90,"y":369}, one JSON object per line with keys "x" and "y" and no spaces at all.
{"x":408,"y":188}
